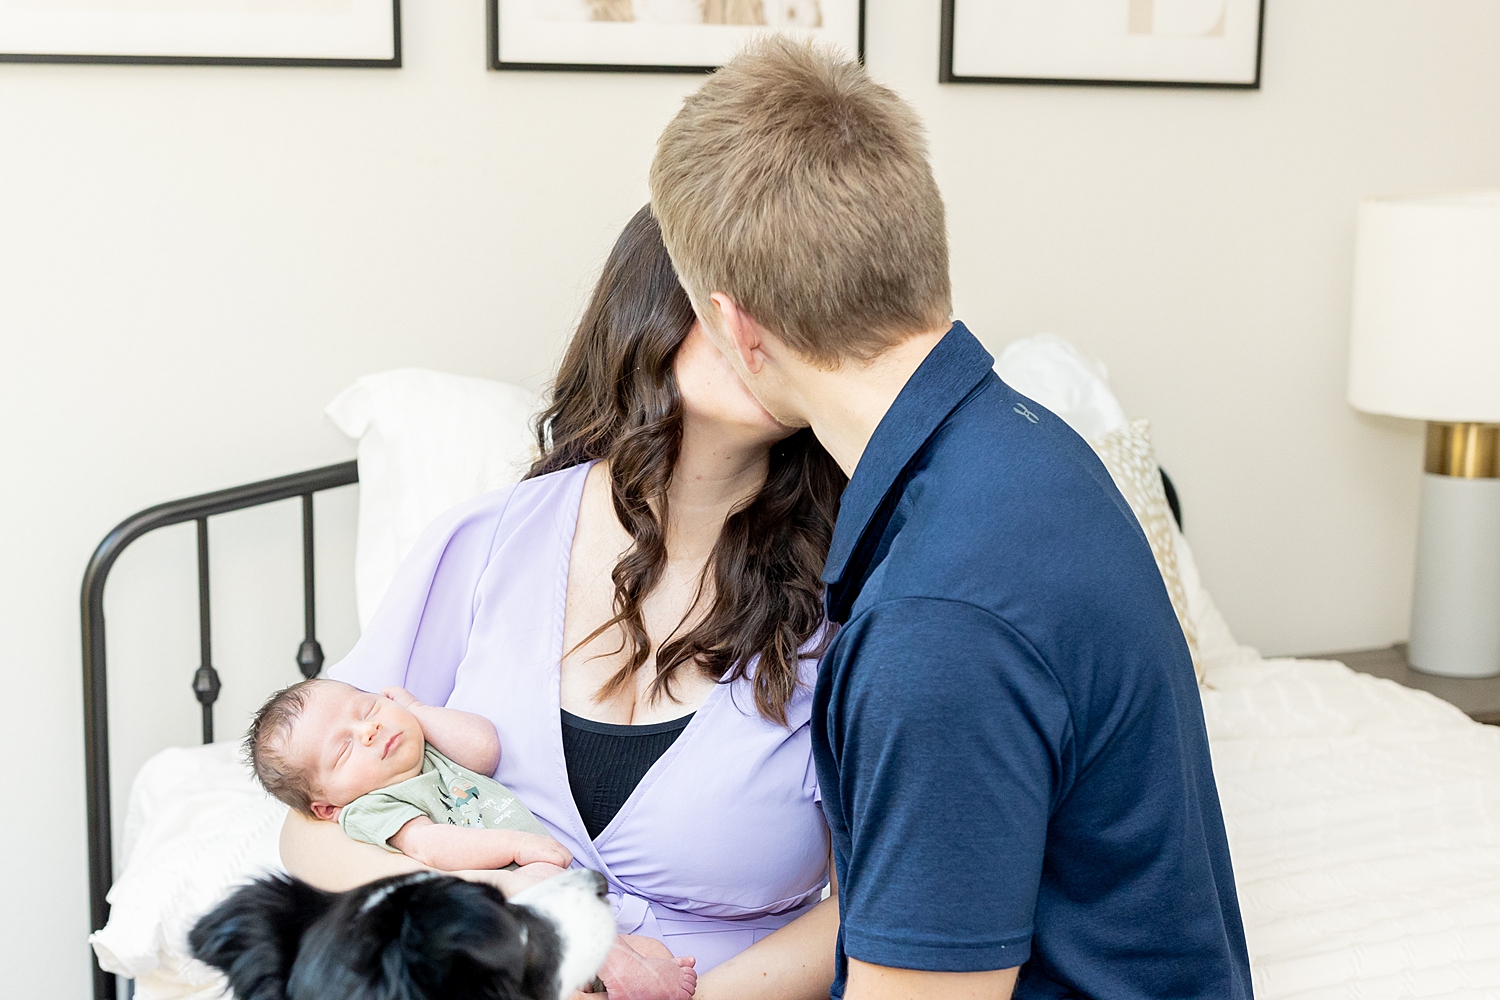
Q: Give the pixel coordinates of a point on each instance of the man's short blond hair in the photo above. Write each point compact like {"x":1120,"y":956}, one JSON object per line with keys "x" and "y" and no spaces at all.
{"x":800,"y":188}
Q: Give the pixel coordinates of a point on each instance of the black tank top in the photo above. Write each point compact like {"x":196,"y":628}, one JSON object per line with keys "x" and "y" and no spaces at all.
{"x":606,"y":762}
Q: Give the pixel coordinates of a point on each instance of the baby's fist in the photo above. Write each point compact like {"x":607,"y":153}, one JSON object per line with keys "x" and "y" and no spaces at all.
{"x":532,"y":848}
{"x":400,"y":696}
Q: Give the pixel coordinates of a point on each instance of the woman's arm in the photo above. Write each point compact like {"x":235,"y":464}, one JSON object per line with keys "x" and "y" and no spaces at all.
{"x":420,"y":633}
{"x":795,"y":963}
{"x":318,"y":852}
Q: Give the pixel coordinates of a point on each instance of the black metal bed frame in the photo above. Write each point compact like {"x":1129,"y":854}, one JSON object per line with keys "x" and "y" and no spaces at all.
{"x":206,"y":684}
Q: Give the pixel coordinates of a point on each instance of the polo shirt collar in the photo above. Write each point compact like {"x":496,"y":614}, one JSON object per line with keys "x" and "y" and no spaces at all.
{"x":944,"y":378}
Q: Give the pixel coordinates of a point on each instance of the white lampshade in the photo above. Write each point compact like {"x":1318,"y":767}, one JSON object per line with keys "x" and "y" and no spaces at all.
{"x":1425,"y":341}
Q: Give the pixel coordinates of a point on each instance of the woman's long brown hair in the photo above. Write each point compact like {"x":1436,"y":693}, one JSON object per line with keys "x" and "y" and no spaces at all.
{"x":616,"y":398}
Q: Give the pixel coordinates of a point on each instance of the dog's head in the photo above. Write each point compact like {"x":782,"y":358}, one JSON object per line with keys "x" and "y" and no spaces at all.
{"x":424,"y":936}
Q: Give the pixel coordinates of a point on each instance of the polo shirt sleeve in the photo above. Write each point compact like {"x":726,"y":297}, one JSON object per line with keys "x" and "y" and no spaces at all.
{"x":950,"y":736}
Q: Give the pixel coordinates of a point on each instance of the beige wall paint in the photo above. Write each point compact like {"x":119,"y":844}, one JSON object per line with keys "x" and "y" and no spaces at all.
{"x":193,"y":261}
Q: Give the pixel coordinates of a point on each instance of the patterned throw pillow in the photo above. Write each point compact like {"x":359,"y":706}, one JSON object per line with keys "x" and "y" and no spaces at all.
{"x":1131,"y":461}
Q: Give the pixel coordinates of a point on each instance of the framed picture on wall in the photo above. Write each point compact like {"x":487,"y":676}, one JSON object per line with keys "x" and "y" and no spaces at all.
{"x":656,"y":36}
{"x":1129,"y":43}
{"x":212,"y":32}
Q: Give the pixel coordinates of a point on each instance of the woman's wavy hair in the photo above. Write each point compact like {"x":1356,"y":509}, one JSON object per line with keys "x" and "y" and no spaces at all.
{"x":616,"y":398}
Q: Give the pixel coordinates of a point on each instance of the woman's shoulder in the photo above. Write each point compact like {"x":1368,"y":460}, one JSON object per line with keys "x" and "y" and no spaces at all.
{"x":503,"y":511}
{"x":419,"y":633}
{"x":548,"y":489}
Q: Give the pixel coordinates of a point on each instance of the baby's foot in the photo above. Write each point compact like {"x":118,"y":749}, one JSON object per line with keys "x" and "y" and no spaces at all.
{"x":630,"y":975}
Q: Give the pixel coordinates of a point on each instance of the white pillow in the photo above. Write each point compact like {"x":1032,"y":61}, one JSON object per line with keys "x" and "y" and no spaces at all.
{"x":1053,"y":372}
{"x":197,"y":824}
{"x":1217,"y":646}
{"x":427,"y":441}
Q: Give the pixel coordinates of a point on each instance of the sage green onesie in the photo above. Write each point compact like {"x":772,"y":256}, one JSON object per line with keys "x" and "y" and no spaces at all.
{"x":444,"y":792}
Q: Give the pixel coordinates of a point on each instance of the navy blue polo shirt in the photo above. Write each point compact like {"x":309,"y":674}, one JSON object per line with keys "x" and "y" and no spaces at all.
{"x":1008,"y":734}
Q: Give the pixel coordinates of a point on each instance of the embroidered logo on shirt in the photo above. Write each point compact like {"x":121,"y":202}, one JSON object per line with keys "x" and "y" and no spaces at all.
{"x":1023,"y":411}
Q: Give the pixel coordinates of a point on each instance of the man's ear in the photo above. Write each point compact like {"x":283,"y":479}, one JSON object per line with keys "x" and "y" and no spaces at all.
{"x":325,"y":810}
{"x":745,"y":336}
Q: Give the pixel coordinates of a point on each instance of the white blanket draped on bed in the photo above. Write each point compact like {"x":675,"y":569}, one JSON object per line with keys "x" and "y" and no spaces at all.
{"x":1364,"y":823}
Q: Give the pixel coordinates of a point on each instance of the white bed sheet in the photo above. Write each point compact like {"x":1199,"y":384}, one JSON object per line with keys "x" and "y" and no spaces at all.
{"x":1364,"y":824}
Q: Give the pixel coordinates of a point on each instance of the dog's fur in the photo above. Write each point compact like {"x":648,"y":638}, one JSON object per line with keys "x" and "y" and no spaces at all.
{"x":425,"y":936}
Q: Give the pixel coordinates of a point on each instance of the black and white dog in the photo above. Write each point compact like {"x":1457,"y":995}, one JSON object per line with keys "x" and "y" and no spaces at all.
{"x":425,"y":936}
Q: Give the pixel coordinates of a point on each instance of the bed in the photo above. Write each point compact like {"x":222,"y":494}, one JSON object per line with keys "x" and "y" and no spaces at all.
{"x":1363,"y":817}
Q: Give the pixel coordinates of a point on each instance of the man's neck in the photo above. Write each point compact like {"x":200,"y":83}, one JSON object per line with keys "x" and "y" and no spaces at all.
{"x":845,"y":405}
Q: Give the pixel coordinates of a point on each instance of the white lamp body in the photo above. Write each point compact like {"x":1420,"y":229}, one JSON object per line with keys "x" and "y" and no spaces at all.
{"x":1425,"y":344}
{"x":1455,"y":612}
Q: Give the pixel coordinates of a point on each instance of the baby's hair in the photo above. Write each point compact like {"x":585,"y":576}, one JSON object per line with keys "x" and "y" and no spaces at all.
{"x":265,"y":746}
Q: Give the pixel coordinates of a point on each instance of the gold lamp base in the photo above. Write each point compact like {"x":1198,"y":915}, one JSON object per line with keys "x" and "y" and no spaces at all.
{"x":1468,"y":451}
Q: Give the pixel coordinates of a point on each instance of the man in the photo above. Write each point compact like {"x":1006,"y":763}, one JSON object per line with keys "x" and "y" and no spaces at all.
{"x":1008,"y":733}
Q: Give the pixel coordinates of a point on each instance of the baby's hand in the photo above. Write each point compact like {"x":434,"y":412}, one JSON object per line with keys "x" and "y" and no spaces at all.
{"x":532,"y":848}
{"x":400,"y":696}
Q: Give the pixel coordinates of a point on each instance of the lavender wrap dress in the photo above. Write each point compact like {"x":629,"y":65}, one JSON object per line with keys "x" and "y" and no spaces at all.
{"x":721,"y":843}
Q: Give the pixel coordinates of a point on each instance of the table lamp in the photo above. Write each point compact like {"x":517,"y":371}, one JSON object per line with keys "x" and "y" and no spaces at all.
{"x":1425,"y":345}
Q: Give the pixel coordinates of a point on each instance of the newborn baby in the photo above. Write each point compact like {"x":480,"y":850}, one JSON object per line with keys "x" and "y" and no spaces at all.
{"x":410,"y":777}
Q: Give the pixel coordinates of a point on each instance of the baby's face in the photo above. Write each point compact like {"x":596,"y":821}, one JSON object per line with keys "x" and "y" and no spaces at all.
{"x":351,"y":742}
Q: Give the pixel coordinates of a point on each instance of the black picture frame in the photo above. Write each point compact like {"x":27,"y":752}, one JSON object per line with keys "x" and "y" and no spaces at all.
{"x":946,"y":74}
{"x":393,"y":63}
{"x":494,"y":62}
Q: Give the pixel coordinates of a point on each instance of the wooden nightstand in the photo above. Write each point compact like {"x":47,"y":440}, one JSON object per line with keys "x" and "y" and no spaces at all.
{"x":1479,"y":698}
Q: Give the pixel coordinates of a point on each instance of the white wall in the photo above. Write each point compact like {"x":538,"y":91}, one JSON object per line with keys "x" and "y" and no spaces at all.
{"x":193,"y":261}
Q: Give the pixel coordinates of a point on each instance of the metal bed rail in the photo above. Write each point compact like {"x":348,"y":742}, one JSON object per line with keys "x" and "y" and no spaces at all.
{"x":206,"y":684}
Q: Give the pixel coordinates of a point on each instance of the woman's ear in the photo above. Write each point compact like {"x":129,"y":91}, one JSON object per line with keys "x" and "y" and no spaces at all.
{"x":325,"y":810}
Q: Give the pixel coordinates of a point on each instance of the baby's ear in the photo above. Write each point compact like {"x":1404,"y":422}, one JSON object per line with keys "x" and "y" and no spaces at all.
{"x":325,"y":810}
{"x":253,"y":936}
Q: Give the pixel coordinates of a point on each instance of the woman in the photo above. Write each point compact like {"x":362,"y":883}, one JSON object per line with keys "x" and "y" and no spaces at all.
{"x":640,"y":619}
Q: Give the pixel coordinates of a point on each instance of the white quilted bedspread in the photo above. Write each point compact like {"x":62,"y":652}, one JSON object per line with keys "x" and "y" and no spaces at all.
{"x":1364,"y":823}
